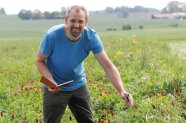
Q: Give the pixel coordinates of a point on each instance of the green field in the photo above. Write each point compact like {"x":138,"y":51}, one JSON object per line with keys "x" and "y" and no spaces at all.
{"x":151,"y":61}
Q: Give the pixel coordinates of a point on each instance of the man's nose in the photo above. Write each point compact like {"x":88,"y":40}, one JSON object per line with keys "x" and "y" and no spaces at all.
{"x":76,"y":24}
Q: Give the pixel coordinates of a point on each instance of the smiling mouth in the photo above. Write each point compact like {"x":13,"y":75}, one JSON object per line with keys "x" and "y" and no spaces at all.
{"x":76,"y":30}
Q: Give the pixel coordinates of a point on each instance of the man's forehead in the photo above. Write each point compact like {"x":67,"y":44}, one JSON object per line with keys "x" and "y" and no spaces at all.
{"x":76,"y":10}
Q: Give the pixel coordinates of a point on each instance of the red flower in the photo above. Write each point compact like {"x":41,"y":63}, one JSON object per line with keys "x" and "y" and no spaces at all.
{"x":37,"y":120}
{"x":101,"y":120}
{"x":109,"y":121}
{"x":112,"y":113}
{"x":177,"y":90}
{"x":2,"y":113}
{"x":13,"y":116}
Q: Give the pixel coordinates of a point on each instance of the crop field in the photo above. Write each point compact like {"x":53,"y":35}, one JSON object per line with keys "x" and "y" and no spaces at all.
{"x":151,"y":62}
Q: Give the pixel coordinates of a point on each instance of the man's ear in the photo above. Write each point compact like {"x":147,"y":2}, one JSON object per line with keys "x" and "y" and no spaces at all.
{"x":66,"y":20}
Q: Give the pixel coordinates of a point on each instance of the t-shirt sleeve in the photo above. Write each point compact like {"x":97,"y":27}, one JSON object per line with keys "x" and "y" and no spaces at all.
{"x":97,"y":45}
{"x":47,"y":45}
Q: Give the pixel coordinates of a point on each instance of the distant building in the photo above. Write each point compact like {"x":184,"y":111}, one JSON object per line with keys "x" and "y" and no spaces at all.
{"x":176,"y":15}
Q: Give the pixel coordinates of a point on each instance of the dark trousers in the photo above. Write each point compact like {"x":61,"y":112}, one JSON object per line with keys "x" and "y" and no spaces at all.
{"x":54,"y":105}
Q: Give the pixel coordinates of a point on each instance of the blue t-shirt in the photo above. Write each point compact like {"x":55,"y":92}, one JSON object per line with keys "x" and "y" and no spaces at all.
{"x":65,"y":57}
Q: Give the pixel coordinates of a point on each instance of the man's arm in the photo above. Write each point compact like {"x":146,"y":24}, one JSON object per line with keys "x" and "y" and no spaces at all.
{"x":43,"y":69}
{"x":112,"y":73}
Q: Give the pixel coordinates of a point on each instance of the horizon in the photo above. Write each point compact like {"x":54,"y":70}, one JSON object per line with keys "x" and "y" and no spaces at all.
{"x":56,"y":5}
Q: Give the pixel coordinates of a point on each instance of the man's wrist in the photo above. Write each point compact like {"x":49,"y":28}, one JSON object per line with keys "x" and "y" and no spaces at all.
{"x":124,"y":94}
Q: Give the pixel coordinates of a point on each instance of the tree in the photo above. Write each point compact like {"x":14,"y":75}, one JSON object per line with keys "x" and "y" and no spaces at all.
{"x":124,"y":11}
{"x":36,"y":15}
{"x":174,"y":6}
{"x":2,"y":11}
{"x":46,"y":15}
{"x":63,"y":11}
{"x":109,"y":10}
{"x":139,"y":9}
{"x":56,"y":15}
{"x":25,"y":14}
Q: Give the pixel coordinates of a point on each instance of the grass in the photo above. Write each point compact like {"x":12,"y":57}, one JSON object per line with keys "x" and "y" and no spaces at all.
{"x":147,"y":59}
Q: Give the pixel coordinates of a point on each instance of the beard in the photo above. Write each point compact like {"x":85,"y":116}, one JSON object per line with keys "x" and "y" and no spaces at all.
{"x":75,"y":31}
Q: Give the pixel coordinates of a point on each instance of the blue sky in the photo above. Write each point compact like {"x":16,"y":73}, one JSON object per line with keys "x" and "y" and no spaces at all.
{"x":14,"y":6}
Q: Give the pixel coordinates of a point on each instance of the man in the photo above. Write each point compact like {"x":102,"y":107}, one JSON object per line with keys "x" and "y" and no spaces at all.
{"x":60,"y":59}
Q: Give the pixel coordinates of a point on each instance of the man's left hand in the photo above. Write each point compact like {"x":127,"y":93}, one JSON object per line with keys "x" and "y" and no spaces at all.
{"x":128,"y":99}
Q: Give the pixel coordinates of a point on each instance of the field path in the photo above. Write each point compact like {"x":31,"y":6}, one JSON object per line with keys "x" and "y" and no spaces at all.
{"x":179,"y":48}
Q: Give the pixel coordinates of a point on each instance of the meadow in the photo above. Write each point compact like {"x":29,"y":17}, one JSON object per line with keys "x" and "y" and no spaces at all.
{"x":151,"y":61}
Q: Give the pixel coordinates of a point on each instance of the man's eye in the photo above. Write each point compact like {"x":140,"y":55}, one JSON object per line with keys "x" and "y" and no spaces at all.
{"x":73,"y":21}
{"x":80,"y":21}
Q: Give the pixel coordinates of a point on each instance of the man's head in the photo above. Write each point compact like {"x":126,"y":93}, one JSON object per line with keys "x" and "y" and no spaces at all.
{"x":76,"y":19}
{"x":77,"y":7}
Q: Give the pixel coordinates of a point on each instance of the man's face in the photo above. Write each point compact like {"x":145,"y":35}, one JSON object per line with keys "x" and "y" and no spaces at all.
{"x":76,"y":22}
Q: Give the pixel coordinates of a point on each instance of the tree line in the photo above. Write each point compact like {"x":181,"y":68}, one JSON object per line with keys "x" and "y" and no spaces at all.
{"x":124,"y":11}
{"x":172,"y":7}
{"x":37,"y":14}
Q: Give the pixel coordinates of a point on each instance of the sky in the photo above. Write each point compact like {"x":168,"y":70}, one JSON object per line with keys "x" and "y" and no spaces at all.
{"x":14,"y":6}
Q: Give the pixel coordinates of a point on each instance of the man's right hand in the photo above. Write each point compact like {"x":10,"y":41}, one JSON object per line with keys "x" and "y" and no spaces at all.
{"x":54,"y":90}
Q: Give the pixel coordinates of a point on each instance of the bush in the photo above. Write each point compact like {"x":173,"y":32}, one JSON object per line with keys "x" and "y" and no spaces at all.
{"x":127,"y":27}
{"x":111,"y":29}
{"x":140,"y":27}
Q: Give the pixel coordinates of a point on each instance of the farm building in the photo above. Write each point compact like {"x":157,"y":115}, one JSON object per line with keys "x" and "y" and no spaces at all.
{"x":177,"y":15}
